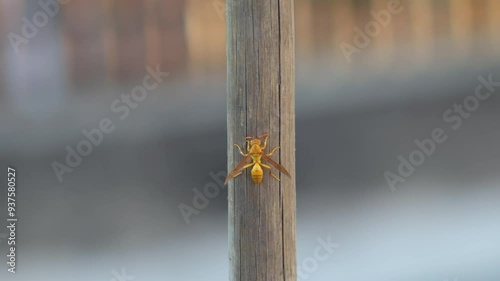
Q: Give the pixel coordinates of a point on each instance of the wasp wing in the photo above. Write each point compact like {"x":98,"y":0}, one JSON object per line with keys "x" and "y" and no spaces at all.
{"x":275,"y":165}
{"x":237,"y":169}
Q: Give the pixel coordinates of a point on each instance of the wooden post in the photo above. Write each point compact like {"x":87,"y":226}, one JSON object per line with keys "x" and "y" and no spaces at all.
{"x":260,"y":87}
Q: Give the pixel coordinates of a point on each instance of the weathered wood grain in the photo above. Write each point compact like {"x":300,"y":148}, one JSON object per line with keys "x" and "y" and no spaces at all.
{"x":261,"y":99}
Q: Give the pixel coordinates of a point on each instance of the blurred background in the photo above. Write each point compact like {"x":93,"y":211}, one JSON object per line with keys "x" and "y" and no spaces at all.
{"x":119,"y":208}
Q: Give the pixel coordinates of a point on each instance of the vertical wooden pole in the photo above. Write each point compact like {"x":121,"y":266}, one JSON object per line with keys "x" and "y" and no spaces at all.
{"x":260,"y":87}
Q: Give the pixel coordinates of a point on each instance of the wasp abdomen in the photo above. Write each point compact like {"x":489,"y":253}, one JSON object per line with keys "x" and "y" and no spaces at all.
{"x":257,"y":174}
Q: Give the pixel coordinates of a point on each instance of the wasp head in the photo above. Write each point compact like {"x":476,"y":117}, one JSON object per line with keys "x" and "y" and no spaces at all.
{"x":255,"y":142}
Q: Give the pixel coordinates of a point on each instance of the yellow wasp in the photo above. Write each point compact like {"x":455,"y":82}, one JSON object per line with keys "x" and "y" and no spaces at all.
{"x":256,"y":153}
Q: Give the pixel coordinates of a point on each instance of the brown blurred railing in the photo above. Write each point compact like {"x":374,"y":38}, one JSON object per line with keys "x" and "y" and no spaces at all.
{"x":122,"y":37}
{"x":116,"y":39}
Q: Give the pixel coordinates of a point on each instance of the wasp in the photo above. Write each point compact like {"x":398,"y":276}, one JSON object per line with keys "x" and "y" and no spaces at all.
{"x":256,"y":154}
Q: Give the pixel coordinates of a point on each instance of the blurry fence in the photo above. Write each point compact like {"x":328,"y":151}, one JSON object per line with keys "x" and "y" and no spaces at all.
{"x":115,"y":39}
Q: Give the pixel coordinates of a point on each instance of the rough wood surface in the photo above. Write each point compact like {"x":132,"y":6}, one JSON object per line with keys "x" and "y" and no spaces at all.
{"x":261,"y":99}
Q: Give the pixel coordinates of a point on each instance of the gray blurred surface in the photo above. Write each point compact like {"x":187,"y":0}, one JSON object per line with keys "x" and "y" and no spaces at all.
{"x":119,"y":208}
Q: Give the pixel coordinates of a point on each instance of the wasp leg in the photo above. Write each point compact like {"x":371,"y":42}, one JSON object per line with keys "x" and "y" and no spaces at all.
{"x":265,"y":141}
{"x":238,"y":174}
{"x":241,"y":152}
{"x":243,"y":168}
{"x":271,"y":153}
{"x":248,"y":166}
{"x":248,"y":145}
{"x":268,"y":167}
